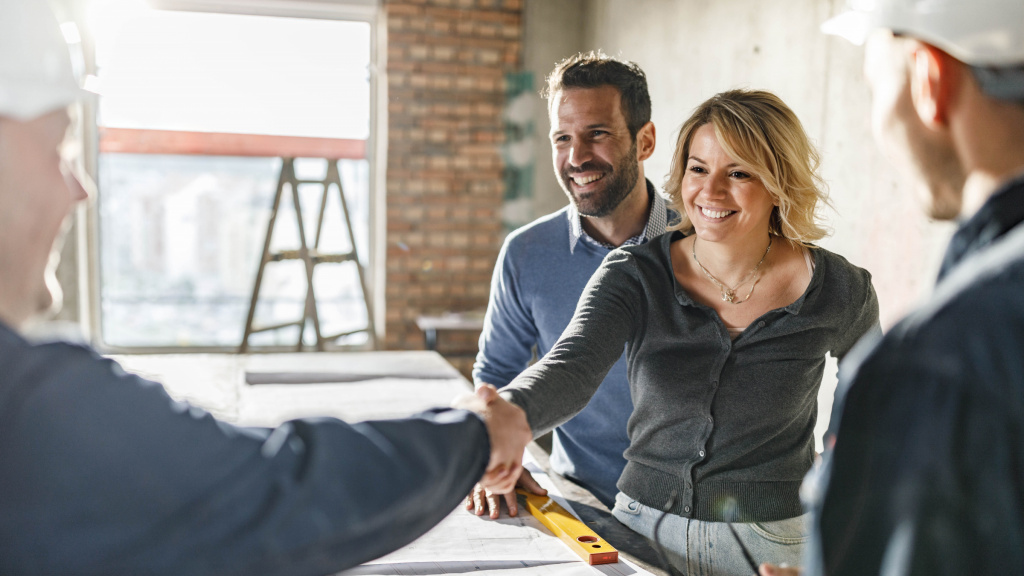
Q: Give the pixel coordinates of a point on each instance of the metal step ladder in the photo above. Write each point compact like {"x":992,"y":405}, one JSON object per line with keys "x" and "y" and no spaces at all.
{"x":310,"y":256}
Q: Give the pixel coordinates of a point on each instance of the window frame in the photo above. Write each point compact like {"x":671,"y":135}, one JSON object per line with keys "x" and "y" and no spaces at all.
{"x":87,"y":221}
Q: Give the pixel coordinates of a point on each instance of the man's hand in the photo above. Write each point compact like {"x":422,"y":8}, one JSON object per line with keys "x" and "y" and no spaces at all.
{"x":509,"y":432}
{"x":780,"y":570}
{"x":480,"y":495}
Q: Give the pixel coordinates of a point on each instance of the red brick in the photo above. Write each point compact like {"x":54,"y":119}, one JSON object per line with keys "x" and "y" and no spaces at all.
{"x":418,"y":52}
{"x":403,"y":8}
{"x":436,"y":187}
{"x":419,"y":25}
{"x":478,"y":149}
{"x":475,"y":15}
{"x":441,"y":82}
{"x":444,"y":53}
{"x":511,"y":31}
{"x":403,"y":38}
{"x":488,"y":30}
{"x":439,"y":163}
{"x":460,"y":240}
{"x":396,"y":23}
{"x":488,"y":57}
{"x":486,"y":109}
{"x":447,"y":64}
{"x":440,"y":27}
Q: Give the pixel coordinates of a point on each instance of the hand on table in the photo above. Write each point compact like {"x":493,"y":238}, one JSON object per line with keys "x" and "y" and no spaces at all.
{"x":509,"y":432}
{"x":767,"y":569}
{"x":480,"y":496}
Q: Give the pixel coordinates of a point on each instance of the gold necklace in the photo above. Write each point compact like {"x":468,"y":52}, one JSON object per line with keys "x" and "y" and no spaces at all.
{"x":729,"y":294}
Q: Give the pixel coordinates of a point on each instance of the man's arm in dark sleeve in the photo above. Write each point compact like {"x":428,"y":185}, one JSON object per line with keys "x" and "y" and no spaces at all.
{"x":106,"y":473}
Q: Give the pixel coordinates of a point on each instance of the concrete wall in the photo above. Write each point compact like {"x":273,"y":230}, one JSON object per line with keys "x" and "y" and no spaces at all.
{"x":552,"y":30}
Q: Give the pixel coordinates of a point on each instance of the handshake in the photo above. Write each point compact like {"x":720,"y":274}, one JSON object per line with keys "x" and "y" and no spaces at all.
{"x":509,"y":433}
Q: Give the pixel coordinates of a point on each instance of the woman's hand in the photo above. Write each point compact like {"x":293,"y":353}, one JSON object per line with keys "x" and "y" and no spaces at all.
{"x":509,"y":433}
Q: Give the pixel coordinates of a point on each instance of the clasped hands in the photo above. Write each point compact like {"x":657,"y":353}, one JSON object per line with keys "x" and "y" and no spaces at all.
{"x":509,"y":433}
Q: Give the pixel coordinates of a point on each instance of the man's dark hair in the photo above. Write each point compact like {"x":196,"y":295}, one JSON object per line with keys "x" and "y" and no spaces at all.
{"x":595,"y":69}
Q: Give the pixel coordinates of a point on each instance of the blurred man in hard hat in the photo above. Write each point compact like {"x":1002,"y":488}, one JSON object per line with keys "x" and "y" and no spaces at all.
{"x":102,"y":473}
{"x":927,"y":472}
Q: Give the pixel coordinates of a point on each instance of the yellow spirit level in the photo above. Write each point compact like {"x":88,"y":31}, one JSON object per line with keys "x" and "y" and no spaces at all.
{"x":574,"y":533}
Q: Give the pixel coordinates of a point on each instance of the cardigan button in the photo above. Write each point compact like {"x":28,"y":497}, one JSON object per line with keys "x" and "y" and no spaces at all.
{"x":686,"y":509}
{"x":701,"y":453}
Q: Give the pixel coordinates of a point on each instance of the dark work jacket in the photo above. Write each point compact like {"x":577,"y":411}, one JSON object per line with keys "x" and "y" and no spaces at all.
{"x":927,"y":473}
{"x":101,"y":472}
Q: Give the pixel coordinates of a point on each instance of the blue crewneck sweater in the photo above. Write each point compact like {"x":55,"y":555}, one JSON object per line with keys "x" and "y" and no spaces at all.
{"x":536,"y":285}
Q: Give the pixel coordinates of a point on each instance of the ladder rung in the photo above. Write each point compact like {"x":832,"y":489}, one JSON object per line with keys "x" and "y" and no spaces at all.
{"x":275,"y":327}
{"x":285,"y":255}
{"x":340,"y":334}
{"x":308,"y":254}
{"x":313,"y":255}
{"x":334,"y":258}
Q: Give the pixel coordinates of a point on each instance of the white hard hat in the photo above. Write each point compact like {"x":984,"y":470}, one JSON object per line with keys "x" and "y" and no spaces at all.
{"x":985,"y":33}
{"x":36,"y":75}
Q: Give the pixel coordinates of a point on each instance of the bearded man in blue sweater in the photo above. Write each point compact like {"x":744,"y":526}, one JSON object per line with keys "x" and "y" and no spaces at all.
{"x":601,"y":132}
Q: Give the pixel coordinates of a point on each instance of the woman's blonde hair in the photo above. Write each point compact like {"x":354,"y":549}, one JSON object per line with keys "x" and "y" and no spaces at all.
{"x":757,"y":129}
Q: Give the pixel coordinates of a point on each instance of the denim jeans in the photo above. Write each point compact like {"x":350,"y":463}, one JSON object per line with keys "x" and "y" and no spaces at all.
{"x":708,"y":548}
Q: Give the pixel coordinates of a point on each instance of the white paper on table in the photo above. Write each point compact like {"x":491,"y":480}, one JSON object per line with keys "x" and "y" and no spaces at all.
{"x":464,"y":542}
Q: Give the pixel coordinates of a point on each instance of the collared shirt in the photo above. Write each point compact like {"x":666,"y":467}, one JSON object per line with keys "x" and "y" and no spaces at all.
{"x":986,"y":226}
{"x":657,"y":219}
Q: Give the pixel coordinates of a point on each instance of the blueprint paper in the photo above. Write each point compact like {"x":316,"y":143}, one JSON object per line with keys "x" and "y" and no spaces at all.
{"x":465,"y":543}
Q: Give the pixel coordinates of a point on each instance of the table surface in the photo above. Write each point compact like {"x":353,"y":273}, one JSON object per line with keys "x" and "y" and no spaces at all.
{"x":351,"y":386}
{"x":267,"y":389}
{"x":451,"y":321}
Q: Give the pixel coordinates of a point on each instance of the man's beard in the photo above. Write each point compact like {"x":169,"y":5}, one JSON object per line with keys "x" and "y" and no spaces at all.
{"x":618,"y":183}
{"x":932,"y":167}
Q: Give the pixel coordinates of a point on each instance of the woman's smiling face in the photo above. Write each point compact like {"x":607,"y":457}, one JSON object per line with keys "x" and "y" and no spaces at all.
{"x":723,"y":199}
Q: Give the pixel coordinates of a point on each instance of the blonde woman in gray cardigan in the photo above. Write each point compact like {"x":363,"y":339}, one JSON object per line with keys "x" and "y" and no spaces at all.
{"x":726,"y":322}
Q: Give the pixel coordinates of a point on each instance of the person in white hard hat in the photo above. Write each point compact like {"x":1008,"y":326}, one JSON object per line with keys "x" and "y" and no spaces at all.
{"x":103,"y":473}
{"x":927,"y":472}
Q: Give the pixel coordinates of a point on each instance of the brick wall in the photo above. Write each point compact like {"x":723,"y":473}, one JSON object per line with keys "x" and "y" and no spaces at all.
{"x":447,"y":61}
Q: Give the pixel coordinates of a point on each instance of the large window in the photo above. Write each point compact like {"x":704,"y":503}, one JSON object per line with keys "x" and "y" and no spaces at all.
{"x":197,"y":110}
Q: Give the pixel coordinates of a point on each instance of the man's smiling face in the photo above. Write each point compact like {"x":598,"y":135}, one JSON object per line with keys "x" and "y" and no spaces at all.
{"x":595,"y":156}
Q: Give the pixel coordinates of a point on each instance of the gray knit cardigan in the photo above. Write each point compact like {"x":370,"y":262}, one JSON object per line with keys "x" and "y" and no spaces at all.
{"x":716,"y":422}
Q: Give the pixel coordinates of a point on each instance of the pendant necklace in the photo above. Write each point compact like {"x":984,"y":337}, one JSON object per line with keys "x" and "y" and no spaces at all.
{"x":729,"y":294}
